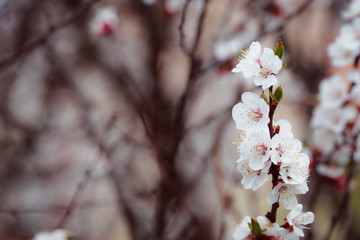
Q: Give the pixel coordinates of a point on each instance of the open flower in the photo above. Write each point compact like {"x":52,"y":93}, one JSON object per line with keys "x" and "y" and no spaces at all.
{"x":345,"y":48}
{"x":271,"y":229}
{"x":297,"y":219}
{"x":242,"y":231}
{"x":256,"y":149}
{"x":252,"y":179}
{"x":282,"y":144}
{"x":270,"y":64}
{"x":295,"y":169}
{"x":262,"y":69}
{"x":248,"y":63}
{"x":333,"y":91}
{"x":285,"y":193}
{"x":252,"y":113}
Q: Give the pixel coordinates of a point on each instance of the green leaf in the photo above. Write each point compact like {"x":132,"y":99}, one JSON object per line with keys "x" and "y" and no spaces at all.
{"x":279,"y":49}
{"x":255,"y":228}
{"x":263,"y":96}
{"x":278,"y":94}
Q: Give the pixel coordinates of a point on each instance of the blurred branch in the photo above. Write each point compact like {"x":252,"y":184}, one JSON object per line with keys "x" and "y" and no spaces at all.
{"x":181,"y":26}
{"x":40,"y":40}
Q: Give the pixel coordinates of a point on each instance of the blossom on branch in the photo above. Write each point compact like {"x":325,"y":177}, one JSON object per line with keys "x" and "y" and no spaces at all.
{"x":285,"y":194}
{"x":259,"y":68}
{"x":252,"y":113}
{"x":252,"y":179}
{"x":297,"y":219}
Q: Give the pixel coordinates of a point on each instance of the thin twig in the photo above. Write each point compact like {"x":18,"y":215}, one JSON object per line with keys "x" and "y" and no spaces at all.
{"x":181,"y":25}
{"x":39,"y":41}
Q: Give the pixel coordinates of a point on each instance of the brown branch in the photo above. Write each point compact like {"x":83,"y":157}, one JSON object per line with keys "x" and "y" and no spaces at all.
{"x":274,"y":169}
{"x":181,"y":26}
{"x":39,"y":41}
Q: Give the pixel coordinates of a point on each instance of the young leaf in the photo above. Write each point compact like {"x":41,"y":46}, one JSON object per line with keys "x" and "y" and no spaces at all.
{"x":255,"y":228}
{"x":263,"y":96}
{"x":279,"y":49}
{"x":278,"y":94}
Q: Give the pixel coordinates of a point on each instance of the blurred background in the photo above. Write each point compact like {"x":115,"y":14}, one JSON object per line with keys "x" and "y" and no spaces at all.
{"x":115,"y":116}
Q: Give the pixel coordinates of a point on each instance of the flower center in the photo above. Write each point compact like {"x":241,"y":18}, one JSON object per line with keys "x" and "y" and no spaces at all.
{"x":261,"y":149}
{"x":255,"y":115}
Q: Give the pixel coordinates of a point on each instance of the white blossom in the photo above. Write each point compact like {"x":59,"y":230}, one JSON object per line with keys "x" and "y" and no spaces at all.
{"x":329,"y":171}
{"x":285,"y":126}
{"x":256,"y":149}
{"x":295,"y":170}
{"x":242,"y":230}
{"x":282,"y":144}
{"x":297,"y":219}
{"x":271,"y":229}
{"x":333,"y":91}
{"x":270,"y":64}
{"x":285,"y":193}
{"x":260,"y":68}
{"x":345,"y":48}
{"x":248,"y":63}
{"x":354,"y":76}
{"x":252,"y":113}
{"x":334,"y":119}
{"x":58,"y":234}
{"x":325,"y":139}
{"x":352,"y":9}
{"x":105,"y":21}
{"x":253,"y":179}
{"x":289,"y":235}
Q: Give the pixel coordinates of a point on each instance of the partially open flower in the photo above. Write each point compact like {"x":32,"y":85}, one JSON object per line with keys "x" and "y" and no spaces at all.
{"x":297,"y":219}
{"x":285,"y":193}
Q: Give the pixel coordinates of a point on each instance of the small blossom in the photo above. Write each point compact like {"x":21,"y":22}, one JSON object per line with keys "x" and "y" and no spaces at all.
{"x":332,"y":172}
{"x":284,"y":126}
{"x":345,"y":48}
{"x":296,"y":170}
{"x":285,"y":193}
{"x":282,"y":144}
{"x":271,"y":229}
{"x":297,"y":219}
{"x":256,"y":149}
{"x":334,"y":119}
{"x":252,"y":179}
{"x":354,"y":76}
{"x":352,"y":10}
{"x":260,"y":68}
{"x":270,"y":64}
{"x":325,"y":139}
{"x":248,"y":63}
{"x":333,"y":91}
{"x":58,"y":234}
{"x":242,"y":231}
{"x":252,"y":113}
{"x":105,"y":21}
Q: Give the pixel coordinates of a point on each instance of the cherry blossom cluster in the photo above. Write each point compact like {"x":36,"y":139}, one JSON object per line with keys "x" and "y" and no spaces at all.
{"x":336,"y":119}
{"x":346,"y":46}
{"x":269,"y":148}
